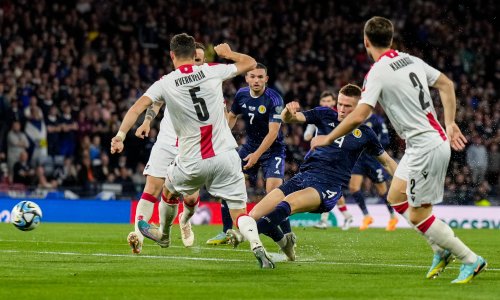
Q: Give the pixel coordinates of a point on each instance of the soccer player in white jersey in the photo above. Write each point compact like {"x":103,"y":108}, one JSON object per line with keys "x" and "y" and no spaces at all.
{"x":400,"y":83}
{"x":327,"y":99}
{"x":207,"y":150}
{"x":162,"y":154}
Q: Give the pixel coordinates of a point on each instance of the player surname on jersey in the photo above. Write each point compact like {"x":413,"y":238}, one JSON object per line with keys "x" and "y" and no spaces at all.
{"x":190,"y":78}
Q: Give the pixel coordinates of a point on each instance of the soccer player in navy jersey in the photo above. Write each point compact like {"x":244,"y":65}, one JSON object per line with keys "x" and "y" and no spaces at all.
{"x":325,"y":172}
{"x":260,"y":107}
{"x":371,"y":168}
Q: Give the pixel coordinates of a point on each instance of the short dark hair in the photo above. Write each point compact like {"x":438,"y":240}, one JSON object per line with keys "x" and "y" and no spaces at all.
{"x":326,"y":94}
{"x":199,"y":46}
{"x":351,"y":90}
{"x":379,"y":31}
{"x":261,"y":66}
{"x":183,"y":46}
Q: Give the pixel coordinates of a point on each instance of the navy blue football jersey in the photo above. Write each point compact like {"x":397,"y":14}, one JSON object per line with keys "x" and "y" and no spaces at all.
{"x":335,"y":161}
{"x":257,"y":113}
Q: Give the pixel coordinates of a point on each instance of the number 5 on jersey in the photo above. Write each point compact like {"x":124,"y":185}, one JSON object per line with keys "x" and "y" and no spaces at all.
{"x":199,"y":104}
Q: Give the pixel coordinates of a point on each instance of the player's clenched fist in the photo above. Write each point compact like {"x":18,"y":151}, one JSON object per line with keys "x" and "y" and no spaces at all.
{"x":223,"y":50}
{"x":293,"y":107}
{"x":116,"y":145}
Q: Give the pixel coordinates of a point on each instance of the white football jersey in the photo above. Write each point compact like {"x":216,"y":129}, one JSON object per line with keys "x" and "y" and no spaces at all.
{"x":195,"y":103}
{"x":400,"y":82}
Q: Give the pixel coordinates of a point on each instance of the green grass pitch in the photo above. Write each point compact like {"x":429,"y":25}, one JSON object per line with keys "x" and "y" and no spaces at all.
{"x":93,"y":261}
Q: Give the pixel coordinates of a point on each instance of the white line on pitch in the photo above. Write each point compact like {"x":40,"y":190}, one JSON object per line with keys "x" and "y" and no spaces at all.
{"x":308,"y":261}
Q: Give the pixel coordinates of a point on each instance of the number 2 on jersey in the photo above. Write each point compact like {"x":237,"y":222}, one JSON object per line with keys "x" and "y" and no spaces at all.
{"x":199,"y":104}
{"x":416,"y":82}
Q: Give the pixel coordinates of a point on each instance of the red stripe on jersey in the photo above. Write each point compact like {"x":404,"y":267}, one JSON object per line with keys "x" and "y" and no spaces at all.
{"x":424,"y":226}
{"x":391,"y":53}
{"x":186,"y":69}
{"x":177,"y":142}
{"x":207,"y":149}
{"x":343,"y":208}
{"x":213,"y":64}
{"x":436,"y":125}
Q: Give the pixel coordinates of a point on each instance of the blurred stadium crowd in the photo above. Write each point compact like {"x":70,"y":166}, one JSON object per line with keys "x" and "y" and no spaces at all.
{"x":69,"y":70}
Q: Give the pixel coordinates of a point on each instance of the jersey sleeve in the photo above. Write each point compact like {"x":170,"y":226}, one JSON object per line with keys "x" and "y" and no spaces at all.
{"x":373,"y":146}
{"x":275,"y":107}
{"x":155,"y":92}
{"x":235,"y":107}
{"x":431,"y":73}
{"x":312,"y":116}
{"x":224,"y":71}
{"x":372,"y":88}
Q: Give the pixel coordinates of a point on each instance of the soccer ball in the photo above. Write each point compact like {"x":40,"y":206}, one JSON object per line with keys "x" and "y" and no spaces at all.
{"x":26,"y":215}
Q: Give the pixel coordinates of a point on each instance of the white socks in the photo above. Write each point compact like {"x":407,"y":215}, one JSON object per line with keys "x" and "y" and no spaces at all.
{"x":439,"y":232}
{"x":248,"y":228}
{"x":168,"y":211}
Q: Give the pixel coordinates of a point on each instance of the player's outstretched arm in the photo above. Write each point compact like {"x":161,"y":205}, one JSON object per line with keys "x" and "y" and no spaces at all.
{"x":243,"y":62}
{"x":128,"y":121}
{"x":291,"y":114}
{"x":388,"y":163}
{"x":447,"y":94}
{"x":351,"y":122}
{"x":151,"y":113}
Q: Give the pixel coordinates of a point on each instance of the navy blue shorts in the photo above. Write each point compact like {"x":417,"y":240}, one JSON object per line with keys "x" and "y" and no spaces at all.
{"x":329,"y":192}
{"x":370,"y":167}
{"x":272,"y":163}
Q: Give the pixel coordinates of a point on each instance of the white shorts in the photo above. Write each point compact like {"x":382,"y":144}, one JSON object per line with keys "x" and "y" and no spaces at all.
{"x":160,"y":158}
{"x":424,"y":173}
{"x":221,"y":174}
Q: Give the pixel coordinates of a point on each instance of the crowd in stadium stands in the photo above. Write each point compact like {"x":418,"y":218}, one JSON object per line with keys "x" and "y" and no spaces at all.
{"x":70,"y":69}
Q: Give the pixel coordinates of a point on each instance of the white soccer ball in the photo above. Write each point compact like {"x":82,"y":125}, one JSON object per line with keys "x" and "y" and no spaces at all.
{"x":26,"y":215}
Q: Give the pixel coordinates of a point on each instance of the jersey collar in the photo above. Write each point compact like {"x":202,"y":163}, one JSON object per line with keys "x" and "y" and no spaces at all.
{"x":391,"y":53}
{"x":185,"y":69}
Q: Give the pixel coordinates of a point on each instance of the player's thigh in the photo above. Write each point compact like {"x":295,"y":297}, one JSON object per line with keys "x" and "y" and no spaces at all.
{"x":341,"y":201}
{"x":267,"y":204}
{"x":272,"y":183}
{"x":397,"y":191}
{"x":381,"y":188}
{"x":225,"y":179}
{"x":154,"y":185}
{"x":355,"y":183}
{"x":426,"y":174}
{"x":305,"y":200}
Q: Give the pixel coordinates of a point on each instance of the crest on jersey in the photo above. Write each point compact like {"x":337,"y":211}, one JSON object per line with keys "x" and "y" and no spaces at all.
{"x":262,"y":109}
{"x":357,"y":133}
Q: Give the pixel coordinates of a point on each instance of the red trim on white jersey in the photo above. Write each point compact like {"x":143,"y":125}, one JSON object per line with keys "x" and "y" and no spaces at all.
{"x":186,"y":69}
{"x":436,"y":125}
{"x":213,"y":64}
{"x":177,"y":142}
{"x":391,"y":53}
{"x":207,"y":148}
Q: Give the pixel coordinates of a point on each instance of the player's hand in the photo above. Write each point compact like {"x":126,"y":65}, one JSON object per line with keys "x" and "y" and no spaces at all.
{"x":293,"y":107}
{"x":116,"y":145}
{"x":251,"y":160}
{"x":319,"y":141}
{"x":143,"y":130}
{"x":457,"y":139}
{"x":223,"y":50}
